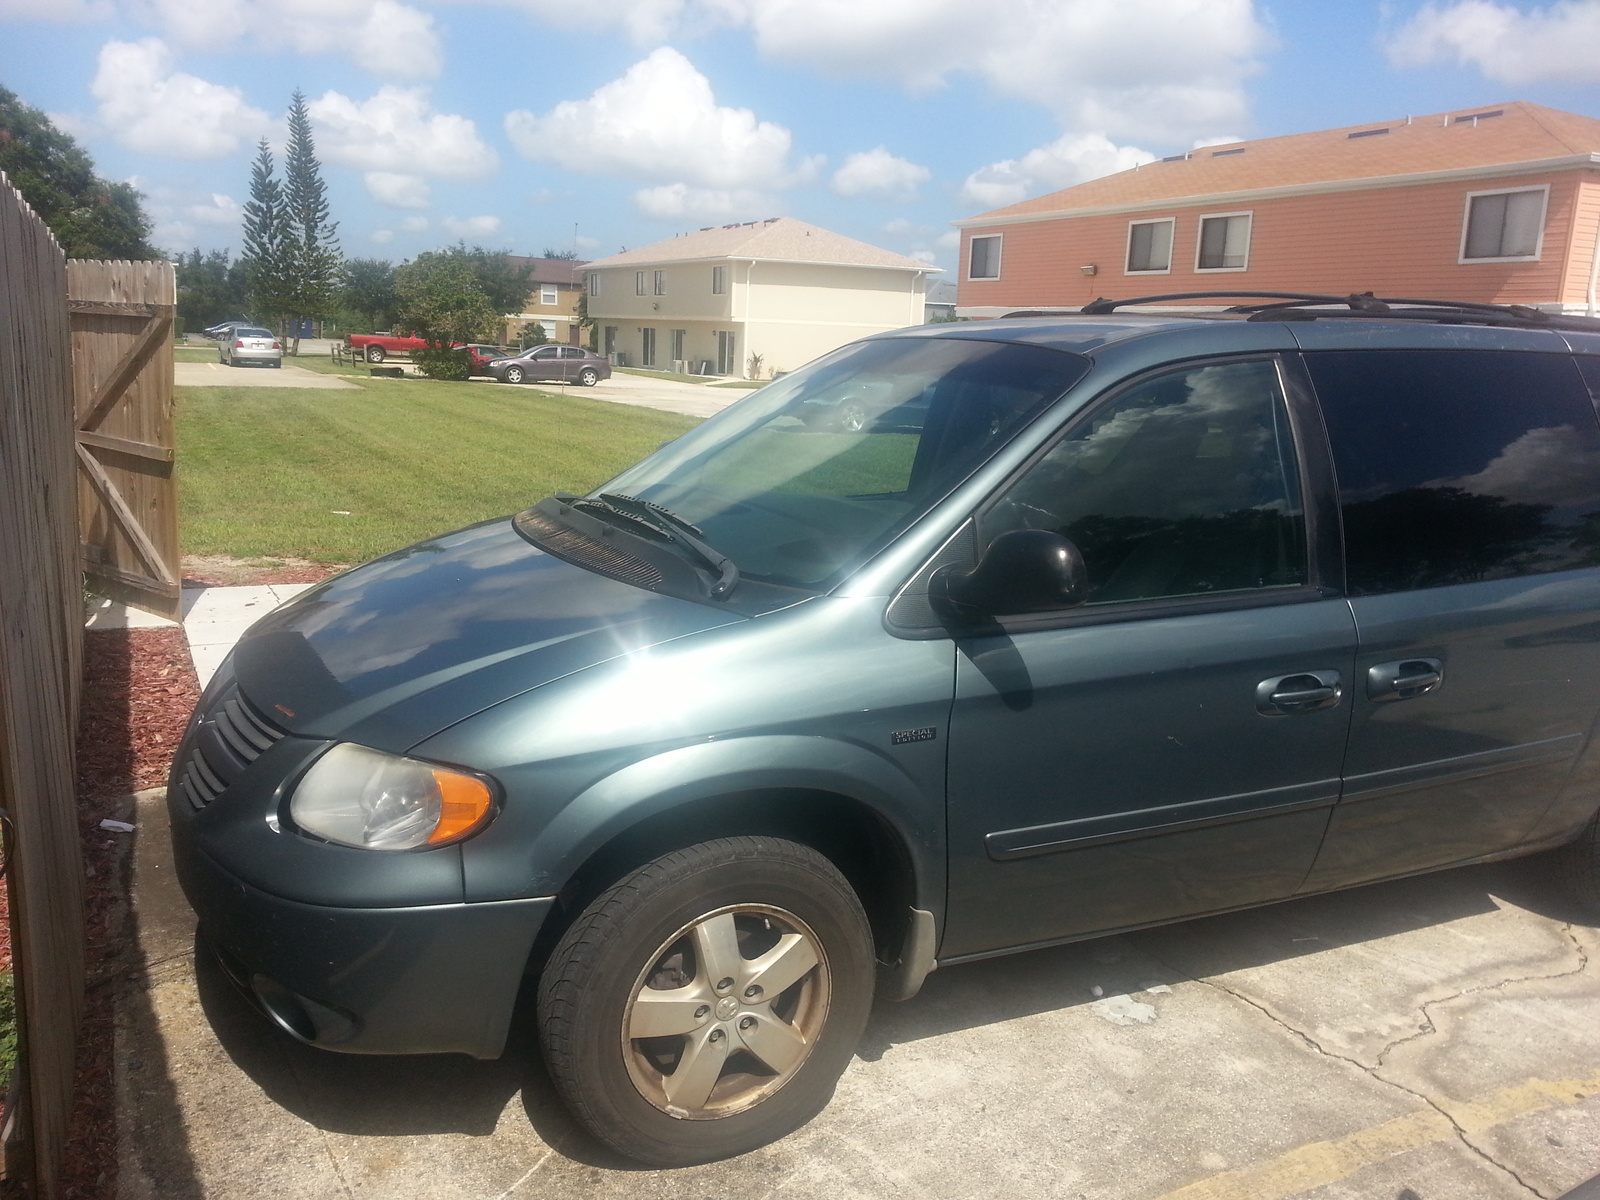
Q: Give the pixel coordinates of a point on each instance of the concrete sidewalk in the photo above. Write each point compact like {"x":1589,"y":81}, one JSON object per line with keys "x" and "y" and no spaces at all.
{"x":214,"y":618}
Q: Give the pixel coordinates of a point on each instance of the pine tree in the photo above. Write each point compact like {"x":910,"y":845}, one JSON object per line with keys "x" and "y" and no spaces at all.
{"x":268,"y":241}
{"x":316,"y":265}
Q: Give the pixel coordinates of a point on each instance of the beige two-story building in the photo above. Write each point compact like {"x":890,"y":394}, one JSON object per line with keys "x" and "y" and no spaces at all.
{"x":749,"y":299}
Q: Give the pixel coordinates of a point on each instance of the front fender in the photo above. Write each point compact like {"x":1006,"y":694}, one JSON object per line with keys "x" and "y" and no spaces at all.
{"x":720,"y":767}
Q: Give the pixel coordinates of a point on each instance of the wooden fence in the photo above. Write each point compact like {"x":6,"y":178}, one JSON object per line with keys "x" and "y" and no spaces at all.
{"x":41,"y":664}
{"x":122,"y":315}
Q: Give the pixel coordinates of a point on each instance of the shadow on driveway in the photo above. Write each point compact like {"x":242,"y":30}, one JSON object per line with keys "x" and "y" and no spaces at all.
{"x":369,"y":1095}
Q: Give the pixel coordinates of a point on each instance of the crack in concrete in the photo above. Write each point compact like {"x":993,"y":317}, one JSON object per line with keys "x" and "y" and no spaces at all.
{"x":1429,"y":1028}
{"x":1372,"y":1071}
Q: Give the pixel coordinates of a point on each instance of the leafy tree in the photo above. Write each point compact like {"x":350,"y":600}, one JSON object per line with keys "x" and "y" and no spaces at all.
{"x":90,"y":217}
{"x":503,"y":281}
{"x":313,"y":266}
{"x":368,"y":290}
{"x":211,"y":289}
{"x":268,"y":242}
{"x":443,"y":301}
{"x":532,"y":334}
{"x":562,"y":255}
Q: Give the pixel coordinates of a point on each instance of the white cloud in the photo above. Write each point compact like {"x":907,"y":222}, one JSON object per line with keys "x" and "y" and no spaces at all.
{"x":65,"y":11}
{"x":385,"y":37}
{"x":1164,"y":70}
{"x":878,"y":173}
{"x":1226,"y":139}
{"x":1071,"y":158}
{"x":219,"y":210}
{"x":950,"y":240}
{"x":414,"y":224}
{"x":927,"y":256}
{"x":397,"y":190}
{"x":586,"y":243}
{"x":149,"y":107}
{"x":396,"y":131}
{"x":472,"y":227}
{"x":1555,"y":43}
{"x":382,"y":236}
{"x":681,"y":200}
{"x":661,"y":121}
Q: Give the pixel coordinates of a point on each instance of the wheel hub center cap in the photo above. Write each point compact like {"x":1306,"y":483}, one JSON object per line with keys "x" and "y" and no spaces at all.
{"x":726,"y":1008}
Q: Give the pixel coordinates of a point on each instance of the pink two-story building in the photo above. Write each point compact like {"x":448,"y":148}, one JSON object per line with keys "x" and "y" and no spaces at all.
{"x":1499,"y":204}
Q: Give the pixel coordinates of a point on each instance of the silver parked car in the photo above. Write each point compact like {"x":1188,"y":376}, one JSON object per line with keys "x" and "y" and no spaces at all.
{"x":250,"y":344}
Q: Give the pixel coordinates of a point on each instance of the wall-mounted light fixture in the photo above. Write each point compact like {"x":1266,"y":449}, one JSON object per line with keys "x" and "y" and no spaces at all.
{"x":1091,"y":269}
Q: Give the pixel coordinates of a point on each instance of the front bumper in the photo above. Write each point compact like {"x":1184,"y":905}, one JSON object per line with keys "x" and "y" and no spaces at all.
{"x":440,"y":978}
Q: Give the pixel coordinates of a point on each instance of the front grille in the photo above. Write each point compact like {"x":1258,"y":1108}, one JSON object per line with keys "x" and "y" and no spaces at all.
{"x":229,"y":737}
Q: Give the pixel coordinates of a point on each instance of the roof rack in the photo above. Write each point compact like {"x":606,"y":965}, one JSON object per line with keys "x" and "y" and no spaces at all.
{"x":1311,"y":306}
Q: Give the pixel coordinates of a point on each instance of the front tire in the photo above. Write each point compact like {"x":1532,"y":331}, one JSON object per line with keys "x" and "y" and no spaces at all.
{"x":514,"y":375}
{"x":707,"y":1003}
{"x":375,"y":354}
{"x":588,"y":377}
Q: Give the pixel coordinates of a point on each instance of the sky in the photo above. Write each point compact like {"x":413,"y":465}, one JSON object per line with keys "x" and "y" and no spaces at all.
{"x":599,"y":125}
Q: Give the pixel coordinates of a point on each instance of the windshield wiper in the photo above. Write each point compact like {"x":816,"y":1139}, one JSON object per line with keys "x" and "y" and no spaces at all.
{"x":668,"y":524}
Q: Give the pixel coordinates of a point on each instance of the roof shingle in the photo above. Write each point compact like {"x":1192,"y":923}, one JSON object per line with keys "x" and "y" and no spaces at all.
{"x":779,"y":239}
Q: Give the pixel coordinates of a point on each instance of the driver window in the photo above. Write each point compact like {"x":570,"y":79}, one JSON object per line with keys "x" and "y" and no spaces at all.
{"x":1184,"y":485}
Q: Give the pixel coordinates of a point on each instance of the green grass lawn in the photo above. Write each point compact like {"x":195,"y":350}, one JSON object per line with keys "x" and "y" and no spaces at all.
{"x":269,"y":472}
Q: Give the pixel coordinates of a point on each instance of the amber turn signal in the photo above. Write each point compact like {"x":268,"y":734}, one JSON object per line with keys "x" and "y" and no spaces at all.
{"x":465,"y":803}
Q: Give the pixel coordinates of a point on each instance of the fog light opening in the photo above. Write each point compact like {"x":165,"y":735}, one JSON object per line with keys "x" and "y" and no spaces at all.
{"x":301,"y":1017}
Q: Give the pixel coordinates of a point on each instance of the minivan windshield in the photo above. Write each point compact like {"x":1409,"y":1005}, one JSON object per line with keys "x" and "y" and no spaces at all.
{"x":802,"y":479}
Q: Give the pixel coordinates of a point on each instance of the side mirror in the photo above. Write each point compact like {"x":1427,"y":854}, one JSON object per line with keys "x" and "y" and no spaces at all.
{"x":1023,"y":571}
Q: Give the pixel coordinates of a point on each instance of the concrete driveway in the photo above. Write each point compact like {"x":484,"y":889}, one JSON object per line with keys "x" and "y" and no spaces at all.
{"x":1431,"y":1039}
{"x":668,"y":395}
{"x":215,"y":374}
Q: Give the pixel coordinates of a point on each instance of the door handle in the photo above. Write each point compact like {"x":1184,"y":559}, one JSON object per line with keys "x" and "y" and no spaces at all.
{"x":1303,"y":692}
{"x":1404,"y":679}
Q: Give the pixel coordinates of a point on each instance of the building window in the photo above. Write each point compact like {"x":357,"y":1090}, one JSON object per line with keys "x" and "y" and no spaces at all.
{"x":1224,"y":242}
{"x":1504,"y":225}
{"x":638,"y":283}
{"x":594,"y":285}
{"x":647,"y":347}
{"x":677,"y":344}
{"x":609,"y":342}
{"x":719,"y":281}
{"x":983,"y":260}
{"x":661,"y":283}
{"x":1150,"y":247}
{"x":727,"y":352}
{"x":547,"y":295}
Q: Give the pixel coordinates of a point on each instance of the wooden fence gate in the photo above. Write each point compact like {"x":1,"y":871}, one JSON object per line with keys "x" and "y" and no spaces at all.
{"x":41,"y":664}
{"x":122,"y":316}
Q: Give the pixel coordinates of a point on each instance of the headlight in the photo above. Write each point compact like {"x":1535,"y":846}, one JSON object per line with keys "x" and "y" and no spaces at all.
{"x":360,"y":797}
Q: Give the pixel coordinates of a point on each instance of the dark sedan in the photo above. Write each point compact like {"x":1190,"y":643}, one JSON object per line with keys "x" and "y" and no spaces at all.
{"x":559,"y":364}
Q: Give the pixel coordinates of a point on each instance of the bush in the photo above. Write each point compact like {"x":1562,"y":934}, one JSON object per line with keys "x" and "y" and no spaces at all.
{"x":443,"y":363}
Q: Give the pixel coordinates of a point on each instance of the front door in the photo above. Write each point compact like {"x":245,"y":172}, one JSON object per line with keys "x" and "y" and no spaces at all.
{"x":1173,"y":745}
{"x":1470,"y":484}
{"x":727,"y":352}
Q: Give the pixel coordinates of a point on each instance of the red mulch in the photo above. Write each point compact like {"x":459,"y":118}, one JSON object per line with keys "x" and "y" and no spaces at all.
{"x":139,"y":689}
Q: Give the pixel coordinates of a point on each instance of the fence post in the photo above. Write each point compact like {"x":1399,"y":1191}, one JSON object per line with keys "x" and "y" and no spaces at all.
{"x":41,"y":666}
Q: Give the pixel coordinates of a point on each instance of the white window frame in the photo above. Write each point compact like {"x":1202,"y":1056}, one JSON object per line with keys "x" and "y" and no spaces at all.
{"x":720,"y":275}
{"x":998,"y":251}
{"x":659,"y":284}
{"x":548,"y":294}
{"x":640,"y":283}
{"x":1466,"y":222}
{"x":1199,"y":237}
{"x":1172,"y":246}
{"x":594,"y":283}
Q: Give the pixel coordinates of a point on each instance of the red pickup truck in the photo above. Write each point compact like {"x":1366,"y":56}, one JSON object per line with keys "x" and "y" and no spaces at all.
{"x":375,"y":347}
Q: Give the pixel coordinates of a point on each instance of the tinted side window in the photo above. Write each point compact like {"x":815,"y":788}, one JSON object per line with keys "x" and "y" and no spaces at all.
{"x":1460,"y":466}
{"x":1184,"y":485}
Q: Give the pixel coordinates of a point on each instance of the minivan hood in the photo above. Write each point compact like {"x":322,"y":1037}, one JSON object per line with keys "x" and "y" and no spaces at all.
{"x":396,"y":650}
